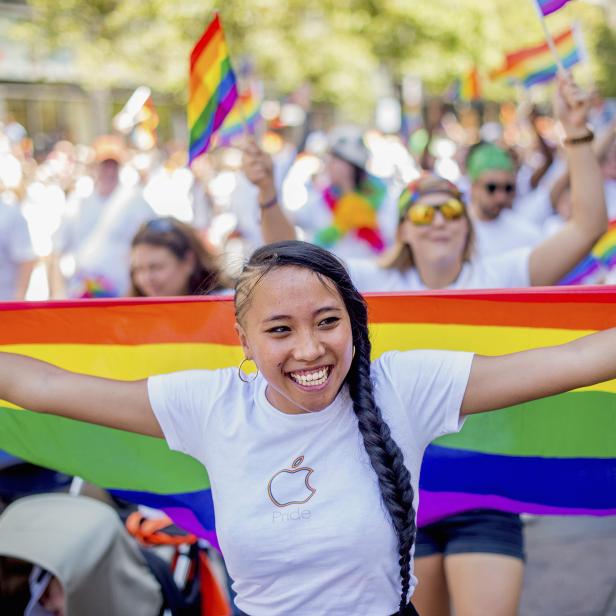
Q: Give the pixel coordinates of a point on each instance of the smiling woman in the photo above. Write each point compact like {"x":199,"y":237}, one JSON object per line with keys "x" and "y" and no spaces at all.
{"x":168,"y":258}
{"x":314,"y":464}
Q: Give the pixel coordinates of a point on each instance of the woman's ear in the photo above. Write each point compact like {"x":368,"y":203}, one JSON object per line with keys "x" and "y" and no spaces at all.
{"x":243,"y":340}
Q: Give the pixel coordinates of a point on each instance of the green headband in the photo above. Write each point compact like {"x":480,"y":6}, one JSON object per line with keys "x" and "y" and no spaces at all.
{"x":488,"y":157}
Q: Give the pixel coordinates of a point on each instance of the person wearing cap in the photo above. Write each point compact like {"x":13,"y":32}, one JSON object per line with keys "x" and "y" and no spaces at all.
{"x":92,"y":244}
{"x":353,"y":213}
{"x":498,"y":228}
{"x":66,"y":555}
{"x":473,"y":562}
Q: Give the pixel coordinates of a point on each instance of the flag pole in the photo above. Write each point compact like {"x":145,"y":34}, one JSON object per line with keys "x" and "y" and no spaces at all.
{"x":549,"y":39}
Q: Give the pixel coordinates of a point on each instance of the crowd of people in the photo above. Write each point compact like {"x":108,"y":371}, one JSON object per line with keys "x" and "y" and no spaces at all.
{"x":512,"y":206}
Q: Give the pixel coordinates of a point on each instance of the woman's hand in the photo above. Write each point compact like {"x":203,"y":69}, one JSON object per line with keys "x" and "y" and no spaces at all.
{"x":571,"y":105}
{"x":258,"y":167}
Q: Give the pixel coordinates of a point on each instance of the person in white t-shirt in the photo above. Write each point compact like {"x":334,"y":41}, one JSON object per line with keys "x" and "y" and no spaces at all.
{"x":435,"y":251}
{"x":498,"y":227}
{"x":17,"y":256}
{"x":95,"y":235}
{"x":354,"y":214}
{"x":314,"y":464}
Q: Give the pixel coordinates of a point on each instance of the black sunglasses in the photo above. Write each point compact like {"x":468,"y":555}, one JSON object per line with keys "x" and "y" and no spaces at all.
{"x":492,"y":187}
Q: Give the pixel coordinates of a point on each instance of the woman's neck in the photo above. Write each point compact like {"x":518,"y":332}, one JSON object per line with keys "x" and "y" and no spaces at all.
{"x":438,"y":274}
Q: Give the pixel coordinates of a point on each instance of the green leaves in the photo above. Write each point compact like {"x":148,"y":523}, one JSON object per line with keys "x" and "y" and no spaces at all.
{"x":339,"y":46}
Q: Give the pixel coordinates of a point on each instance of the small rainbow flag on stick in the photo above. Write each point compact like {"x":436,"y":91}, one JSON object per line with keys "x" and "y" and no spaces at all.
{"x":244,"y":116}
{"x":551,"y":456}
{"x":600,"y":261}
{"x":468,"y":88}
{"x":550,"y":6}
{"x":212,"y":88}
{"x":537,"y":64}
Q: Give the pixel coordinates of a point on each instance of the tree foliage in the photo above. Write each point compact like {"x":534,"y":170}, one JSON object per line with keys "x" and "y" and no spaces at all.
{"x":339,"y":46}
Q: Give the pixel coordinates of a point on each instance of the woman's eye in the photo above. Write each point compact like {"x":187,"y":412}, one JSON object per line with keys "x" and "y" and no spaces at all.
{"x":279,"y":329}
{"x":329,"y":321}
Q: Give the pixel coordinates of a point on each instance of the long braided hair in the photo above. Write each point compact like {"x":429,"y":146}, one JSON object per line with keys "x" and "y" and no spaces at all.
{"x":385,"y":456}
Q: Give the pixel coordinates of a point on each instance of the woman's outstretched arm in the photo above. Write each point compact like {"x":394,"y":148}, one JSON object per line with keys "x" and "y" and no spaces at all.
{"x":45,"y":388}
{"x":505,"y":380}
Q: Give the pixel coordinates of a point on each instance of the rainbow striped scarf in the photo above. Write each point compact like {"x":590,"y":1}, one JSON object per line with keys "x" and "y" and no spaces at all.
{"x":354,"y":213}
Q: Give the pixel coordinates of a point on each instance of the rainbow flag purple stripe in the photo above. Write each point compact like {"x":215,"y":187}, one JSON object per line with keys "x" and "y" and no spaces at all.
{"x":550,"y":6}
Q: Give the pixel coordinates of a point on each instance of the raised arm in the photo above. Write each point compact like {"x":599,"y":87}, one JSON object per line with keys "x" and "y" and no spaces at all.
{"x":558,"y":254}
{"x":42,"y":387}
{"x":275,"y":226}
{"x":501,"y":381}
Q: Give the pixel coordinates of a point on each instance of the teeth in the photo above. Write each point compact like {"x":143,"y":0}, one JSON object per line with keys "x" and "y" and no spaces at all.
{"x":311,"y":378}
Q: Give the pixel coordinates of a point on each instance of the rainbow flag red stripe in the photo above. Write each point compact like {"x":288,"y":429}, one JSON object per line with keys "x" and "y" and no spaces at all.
{"x":556,"y":455}
{"x":212,"y":88}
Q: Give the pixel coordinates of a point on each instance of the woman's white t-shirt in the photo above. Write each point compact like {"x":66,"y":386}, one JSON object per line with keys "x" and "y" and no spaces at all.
{"x":506,"y":271}
{"x":299,"y":513}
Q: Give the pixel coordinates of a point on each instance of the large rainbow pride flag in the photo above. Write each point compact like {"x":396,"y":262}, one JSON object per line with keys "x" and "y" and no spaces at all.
{"x":552,"y":456}
{"x":212,"y":88}
{"x":532,"y":65}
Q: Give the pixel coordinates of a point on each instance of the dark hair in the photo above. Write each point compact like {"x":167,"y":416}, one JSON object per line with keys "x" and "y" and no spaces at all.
{"x":180,"y":239}
{"x":385,"y":455}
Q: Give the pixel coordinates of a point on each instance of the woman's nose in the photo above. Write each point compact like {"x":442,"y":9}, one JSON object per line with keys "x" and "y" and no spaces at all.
{"x":308,"y":347}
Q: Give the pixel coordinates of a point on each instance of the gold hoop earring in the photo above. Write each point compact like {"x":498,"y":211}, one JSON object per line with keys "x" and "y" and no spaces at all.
{"x":241,"y":374}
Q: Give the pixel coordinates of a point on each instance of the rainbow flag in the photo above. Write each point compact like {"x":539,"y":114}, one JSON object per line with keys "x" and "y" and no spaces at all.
{"x":468,"y":88}
{"x":600,"y":261}
{"x":550,"y":6}
{"x":552,"y":456}
{"x":532,"y":65}
{"x":212,"y":88}
{"x":245,"y":111}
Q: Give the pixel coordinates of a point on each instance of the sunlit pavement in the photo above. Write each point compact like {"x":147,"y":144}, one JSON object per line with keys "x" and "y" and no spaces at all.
{"x":571,"y":567}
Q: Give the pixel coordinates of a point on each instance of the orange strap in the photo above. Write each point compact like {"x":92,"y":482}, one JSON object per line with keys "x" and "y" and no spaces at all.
{"x":148,"y":531}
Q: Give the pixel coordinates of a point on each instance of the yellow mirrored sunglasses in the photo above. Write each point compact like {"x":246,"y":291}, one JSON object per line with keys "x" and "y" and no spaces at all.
{"x":423,"y":214}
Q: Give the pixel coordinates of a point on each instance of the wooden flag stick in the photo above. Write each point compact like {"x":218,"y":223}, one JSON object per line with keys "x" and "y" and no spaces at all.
{"x":549,"y":39}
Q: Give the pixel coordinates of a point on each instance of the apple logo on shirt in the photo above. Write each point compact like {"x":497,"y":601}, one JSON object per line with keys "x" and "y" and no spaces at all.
{"x":291,"y":486}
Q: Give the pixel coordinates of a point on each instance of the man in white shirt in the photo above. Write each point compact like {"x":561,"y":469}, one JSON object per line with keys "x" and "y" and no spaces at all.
{"x":497,"y":227}
{"x":96,"y":234}
{"x":16,"y":254}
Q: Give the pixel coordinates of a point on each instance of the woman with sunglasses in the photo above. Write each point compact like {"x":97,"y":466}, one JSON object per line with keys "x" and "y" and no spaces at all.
{"x":481,"y":570}
{"x":168,"y":258}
